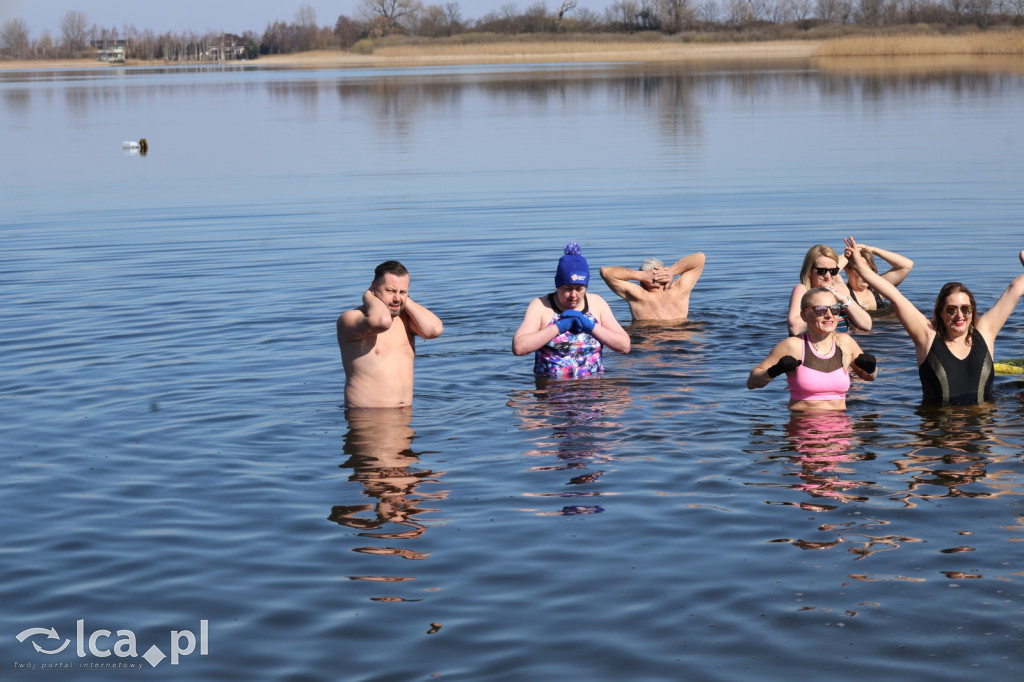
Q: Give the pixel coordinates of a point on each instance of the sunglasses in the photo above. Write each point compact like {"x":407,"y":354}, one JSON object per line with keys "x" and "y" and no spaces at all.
{"x":820,"y":310}
{"x":952,"y":310}
{"x":826,"y":271}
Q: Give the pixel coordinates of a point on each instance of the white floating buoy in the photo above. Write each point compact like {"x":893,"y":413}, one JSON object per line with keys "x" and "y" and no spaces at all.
{"x":130,"y":145}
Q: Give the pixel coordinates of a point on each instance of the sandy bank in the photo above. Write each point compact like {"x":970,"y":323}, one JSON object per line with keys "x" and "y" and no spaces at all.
{"x":491,"y":53}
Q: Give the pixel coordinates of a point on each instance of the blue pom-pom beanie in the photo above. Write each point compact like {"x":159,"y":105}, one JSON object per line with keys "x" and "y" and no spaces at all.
{"x":572,"y":267}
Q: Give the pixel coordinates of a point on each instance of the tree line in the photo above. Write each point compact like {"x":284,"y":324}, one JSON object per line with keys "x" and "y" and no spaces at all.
{"x":375,"y":19}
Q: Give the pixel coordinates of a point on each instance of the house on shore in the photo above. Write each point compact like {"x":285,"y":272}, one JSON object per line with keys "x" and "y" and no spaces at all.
{"x":112,"y":52}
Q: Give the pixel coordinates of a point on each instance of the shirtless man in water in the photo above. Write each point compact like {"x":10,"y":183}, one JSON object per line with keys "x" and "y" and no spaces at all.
{"x":663,"y":293}
{"x":377,"y":340}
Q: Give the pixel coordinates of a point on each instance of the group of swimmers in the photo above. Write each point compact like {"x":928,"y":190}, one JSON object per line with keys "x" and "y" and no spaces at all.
{"x":568,"y":329}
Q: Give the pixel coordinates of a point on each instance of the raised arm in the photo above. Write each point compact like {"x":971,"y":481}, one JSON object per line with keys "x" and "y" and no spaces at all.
{"x":796,"y":323}
{"x":688,"y":269}
{"x":422,"y":322}
{"x":913,"y":320}
{"x":858,"y":317}
{"x":620,"y":280}
{"x":900,"y":265}
{"x":994,"y":319}
{"x":372,"y":318}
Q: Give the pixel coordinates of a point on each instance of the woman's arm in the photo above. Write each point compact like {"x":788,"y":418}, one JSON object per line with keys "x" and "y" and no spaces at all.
{"x":781,"y":360}
{"x":857,"y":316}
{"x":917,"y":325}
{"x":901,"y":265}
{"x":608,"y":330}
{"x":797,"y":325}
{"x":534,"y":331}
{"x":993,"y":320}
{"x":857,"y":361}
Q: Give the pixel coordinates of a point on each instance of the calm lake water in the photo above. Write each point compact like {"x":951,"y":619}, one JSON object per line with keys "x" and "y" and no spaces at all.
{"x":178,"y":464}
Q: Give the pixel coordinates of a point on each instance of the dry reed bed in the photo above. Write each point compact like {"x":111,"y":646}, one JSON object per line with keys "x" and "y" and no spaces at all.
{"x":993,"y":43}
{"x":1006,"y":44}
{"x":567,"y":51}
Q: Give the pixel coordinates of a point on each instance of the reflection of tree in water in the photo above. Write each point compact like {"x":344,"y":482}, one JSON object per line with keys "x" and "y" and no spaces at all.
{"x":581,"y":417}
{"x":379,"y":446}
{"x":398,"y":103}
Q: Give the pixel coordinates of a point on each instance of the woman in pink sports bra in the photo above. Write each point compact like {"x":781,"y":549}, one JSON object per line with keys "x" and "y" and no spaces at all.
{"x":817,"y":364}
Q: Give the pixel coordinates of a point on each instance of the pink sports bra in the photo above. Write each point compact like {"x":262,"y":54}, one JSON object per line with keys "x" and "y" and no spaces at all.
{"x":819,"y":377}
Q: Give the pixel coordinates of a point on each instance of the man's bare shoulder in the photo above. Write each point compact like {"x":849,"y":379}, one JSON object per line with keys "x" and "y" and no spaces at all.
{"x":348,"y":325}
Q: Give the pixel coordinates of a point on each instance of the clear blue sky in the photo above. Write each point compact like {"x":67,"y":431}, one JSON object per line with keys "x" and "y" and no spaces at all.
{"x":232,"y":16}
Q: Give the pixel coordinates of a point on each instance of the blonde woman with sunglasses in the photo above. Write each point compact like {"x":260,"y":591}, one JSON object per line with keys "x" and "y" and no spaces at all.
{"x":954,"y":347}
{"x":820,"y":270}
{"x":818,"y":363}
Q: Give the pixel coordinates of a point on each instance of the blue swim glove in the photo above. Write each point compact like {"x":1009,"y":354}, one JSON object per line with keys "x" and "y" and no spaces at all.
{"x":564,"y":324}
{"x":581,"y":323}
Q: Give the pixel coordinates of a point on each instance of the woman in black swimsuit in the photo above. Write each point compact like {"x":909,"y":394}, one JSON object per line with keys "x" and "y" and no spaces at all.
{"x":954,"y":347}
{"x":868,"y":298}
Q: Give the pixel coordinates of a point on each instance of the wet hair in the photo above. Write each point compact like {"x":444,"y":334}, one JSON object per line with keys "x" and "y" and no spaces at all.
{"x":939,"y":322}
{"x":389,"y":267}
{"x":650,"y":264}
{"x":805,"y":300}
{"x":812,"y":255}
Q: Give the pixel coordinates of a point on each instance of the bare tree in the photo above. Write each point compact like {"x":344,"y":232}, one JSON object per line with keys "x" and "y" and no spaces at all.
{"x":708,"y":12}
{"x":622,"y":14}
{"x":453,"y":14}
{"x":305,"y":17}
{"x":305,"y":28}
{"x":802,"y":9}
{"x":73,"y":27}
{"x":44,"y":47}
{"x":566,"y":7}
{"x":348,"y":31}
{"x":870,"y":12}
{"x":393,"y":13}
{"x":677,"y":14}
{"x":14,"y":38}
{"x":433,"y":22}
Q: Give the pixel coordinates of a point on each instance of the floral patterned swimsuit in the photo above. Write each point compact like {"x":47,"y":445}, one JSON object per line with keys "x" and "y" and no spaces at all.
{"x":569,"y":355}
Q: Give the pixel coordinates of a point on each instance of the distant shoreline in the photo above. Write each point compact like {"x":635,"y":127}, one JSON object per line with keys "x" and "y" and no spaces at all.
{"x":491,"y":53}
{"x":1007,"y":46}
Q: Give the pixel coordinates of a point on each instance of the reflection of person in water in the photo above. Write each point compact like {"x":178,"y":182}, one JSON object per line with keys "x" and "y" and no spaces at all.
{"x":578,"y":416}
{"x":823,"y":441}
{"x":379,"y":445}
{"x":951,"y":455}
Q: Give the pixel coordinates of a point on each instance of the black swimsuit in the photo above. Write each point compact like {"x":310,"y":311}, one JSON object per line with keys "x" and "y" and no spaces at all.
{"x":948,"y":380}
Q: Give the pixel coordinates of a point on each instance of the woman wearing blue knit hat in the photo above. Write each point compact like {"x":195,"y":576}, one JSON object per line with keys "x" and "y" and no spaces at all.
{"x":567,"y":329}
